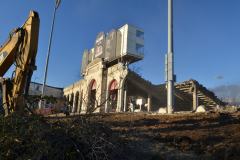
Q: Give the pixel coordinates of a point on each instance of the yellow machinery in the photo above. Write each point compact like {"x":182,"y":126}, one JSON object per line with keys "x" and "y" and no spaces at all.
{"x":19,"y":49}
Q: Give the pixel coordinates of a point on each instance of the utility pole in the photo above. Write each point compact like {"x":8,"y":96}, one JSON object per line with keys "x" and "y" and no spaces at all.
{"x":169,"y":70}
{"x":49,"y":46}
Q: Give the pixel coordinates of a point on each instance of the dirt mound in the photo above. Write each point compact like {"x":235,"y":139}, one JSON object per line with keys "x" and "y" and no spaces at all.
{"x":212,"y":134}
{"x":206,"y":135}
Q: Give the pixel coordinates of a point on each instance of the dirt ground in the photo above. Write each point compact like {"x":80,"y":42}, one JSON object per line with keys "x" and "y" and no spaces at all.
{"x":207,"y":135}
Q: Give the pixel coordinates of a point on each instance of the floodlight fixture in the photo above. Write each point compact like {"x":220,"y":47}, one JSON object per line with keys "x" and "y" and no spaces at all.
{"x":219,"y":77}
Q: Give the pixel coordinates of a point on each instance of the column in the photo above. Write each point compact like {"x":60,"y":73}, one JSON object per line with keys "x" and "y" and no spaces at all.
{"x":195,"y":97}
{"x":84,"y":102}
{"x":97,"y":101}
{"x":70,"y":98}
{"x":107,"y":104}
{"x":149,"y":102}
{"x":119,"y":100}
{"x":79,"y":103}
{"x":122,"y":98}
{"x":74,"y":103}
{"x":125,"y":99}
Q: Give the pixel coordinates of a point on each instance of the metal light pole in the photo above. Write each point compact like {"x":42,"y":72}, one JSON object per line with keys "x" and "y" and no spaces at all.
{"x":169,"y":71}
{"x":49,"y":46}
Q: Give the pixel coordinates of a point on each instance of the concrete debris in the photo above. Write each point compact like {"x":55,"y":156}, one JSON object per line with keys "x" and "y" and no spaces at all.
{"x":162,"y":110}
{"x":202,"y":108}
{"x":183,"y":112}
{"x":231,"y":109}
{"x":138,"y":110}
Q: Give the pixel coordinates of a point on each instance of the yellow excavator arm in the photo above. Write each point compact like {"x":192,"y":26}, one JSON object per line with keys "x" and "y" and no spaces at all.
{"x":19,"y":49}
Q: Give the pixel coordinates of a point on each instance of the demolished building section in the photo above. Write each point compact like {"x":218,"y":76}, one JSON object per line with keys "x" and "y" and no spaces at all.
{"x":109,"y":86}
{"x":126,"y":87}
{"x":188,"y":95}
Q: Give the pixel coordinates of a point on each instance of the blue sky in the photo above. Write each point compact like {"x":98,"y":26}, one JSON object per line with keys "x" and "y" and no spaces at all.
{"x":206,"y":36}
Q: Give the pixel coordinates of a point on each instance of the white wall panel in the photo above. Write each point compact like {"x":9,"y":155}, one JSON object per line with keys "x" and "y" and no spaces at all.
{"x":131,"y":43}
{"x":140,"y":41}
{"x":131,"y":29}
{"x":132,"y":36}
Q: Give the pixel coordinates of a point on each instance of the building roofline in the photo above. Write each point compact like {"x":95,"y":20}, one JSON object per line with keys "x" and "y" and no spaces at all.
{"x":47,"y":85}
{"x":131,"y":26}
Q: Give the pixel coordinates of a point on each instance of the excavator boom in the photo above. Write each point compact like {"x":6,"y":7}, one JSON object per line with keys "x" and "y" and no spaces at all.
{"x":20,"y":49}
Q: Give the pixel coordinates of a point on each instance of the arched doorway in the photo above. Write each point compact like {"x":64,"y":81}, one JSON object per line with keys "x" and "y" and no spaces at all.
{"x":71,"y":103}
{"x":92,"y":95}
{"x":113,"y":95}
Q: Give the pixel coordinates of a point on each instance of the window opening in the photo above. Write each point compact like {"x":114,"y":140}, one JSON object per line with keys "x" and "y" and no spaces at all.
{"x":140,"y":34}
{"x":38,"y":88}
{"x":139,"y":48}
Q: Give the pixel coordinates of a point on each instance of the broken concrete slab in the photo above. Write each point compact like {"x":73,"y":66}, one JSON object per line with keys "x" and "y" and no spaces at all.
{"x":202,"y":108}
{"x":162,"y":110}
{"x":138,"y":110}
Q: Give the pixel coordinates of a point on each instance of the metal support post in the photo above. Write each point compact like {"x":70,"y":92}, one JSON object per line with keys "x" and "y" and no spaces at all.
{"x":149,"y":102}
{"x":49,"y":46}
{"x":170,"y":91}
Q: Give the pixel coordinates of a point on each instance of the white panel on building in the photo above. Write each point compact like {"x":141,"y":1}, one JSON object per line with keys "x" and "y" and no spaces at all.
{"x":132,"y":38}
{"x":129,"y":45}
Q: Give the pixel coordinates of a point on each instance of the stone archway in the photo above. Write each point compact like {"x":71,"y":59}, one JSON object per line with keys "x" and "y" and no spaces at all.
{"x":92,"y":95}
{"x":113,"y":95}
{"x":68,"y":97}
{"x":71,"y":104}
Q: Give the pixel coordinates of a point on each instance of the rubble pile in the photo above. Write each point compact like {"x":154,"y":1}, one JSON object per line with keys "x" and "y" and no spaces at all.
{"x":231,"y":109}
